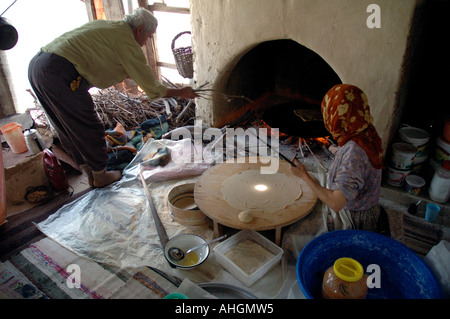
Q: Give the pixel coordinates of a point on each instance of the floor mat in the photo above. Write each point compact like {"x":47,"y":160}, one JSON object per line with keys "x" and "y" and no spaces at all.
{"x":46,"y":270}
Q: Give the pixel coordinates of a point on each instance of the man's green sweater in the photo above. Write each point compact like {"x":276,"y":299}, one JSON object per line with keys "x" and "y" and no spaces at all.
{"x":105,"y":53}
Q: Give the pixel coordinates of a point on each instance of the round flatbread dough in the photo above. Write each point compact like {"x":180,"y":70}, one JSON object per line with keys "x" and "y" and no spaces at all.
{"x":252,"y":191}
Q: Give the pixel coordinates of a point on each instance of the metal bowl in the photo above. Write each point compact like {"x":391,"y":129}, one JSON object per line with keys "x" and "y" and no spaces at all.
{"x":184,"y":242}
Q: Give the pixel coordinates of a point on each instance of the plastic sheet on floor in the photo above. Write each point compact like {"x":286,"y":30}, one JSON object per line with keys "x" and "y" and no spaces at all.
{"x":114,"y":225}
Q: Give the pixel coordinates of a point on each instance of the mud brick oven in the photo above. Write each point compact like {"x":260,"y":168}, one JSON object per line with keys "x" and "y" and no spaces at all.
{"x":287,"y":49}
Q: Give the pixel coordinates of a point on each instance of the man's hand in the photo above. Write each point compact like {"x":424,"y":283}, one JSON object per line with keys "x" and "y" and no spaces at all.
{"x":184,"y":92}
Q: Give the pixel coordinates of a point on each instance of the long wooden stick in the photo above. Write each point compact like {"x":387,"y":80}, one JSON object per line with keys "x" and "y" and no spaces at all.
{"x":163,"y":238}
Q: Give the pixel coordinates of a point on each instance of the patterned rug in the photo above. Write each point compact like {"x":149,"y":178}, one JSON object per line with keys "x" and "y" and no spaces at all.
{"x":46,"y":270}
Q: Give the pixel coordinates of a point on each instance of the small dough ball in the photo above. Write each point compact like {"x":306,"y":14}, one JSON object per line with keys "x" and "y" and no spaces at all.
{"x":245,"y":216}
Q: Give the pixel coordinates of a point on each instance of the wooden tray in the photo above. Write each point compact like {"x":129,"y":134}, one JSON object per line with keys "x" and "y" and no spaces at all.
{"x":208,"y":197}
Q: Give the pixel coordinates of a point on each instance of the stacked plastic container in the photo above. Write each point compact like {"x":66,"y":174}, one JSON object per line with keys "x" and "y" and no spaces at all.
{"x":246,"y":278}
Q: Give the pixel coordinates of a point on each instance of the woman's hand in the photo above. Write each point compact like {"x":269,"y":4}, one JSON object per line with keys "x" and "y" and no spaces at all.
{"x":299,"y":170}
{"x":332,"y":198}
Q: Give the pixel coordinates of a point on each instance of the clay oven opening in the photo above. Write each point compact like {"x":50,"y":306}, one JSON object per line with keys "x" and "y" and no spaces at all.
{"x":282,"y":83}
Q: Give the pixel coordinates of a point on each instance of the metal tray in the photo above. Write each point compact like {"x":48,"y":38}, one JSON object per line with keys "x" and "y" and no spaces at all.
{"x":224,"y":291}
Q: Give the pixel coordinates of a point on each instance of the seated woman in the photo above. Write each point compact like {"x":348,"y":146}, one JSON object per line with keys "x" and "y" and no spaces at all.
{"x":354,"y":179}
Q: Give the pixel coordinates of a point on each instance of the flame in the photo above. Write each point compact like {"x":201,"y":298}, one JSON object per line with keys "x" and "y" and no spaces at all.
{"x":261,"y":124}
{"x":323,"y":140}
{"x":316,"y":140}
{"x":261,"y":104}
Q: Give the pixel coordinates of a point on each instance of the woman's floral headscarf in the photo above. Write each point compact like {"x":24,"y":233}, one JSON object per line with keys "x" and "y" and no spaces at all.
{"x":346,"y":115}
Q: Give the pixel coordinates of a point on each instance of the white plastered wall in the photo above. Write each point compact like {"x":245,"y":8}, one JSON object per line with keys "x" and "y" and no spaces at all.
{"x":371,"y":58}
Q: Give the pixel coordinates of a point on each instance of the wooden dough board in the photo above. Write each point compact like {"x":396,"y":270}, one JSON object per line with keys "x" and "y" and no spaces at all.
{"x":208,"y":197}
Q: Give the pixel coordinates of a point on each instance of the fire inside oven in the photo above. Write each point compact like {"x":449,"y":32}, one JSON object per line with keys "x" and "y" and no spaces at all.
{"x":283,"y":84}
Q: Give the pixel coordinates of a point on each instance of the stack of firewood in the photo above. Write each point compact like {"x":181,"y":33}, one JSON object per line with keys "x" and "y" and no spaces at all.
{"x":114,"y":107}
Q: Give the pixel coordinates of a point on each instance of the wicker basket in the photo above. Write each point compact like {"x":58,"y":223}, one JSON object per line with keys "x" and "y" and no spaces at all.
{"x":183,"y":58}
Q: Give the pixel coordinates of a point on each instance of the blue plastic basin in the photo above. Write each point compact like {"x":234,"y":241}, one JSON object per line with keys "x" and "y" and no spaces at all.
{"x":403,"y":274}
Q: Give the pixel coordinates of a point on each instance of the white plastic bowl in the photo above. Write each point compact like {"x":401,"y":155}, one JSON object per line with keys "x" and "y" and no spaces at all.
{"x":184,"y":242}
{"x":415,"y":136}
{"x":414,"y":183}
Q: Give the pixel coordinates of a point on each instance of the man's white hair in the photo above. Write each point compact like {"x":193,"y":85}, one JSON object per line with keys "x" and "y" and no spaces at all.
{"x":144,"y":17}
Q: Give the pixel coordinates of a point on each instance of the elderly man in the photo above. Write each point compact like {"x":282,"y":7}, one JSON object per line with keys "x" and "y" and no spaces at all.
{"x":99,"y":54}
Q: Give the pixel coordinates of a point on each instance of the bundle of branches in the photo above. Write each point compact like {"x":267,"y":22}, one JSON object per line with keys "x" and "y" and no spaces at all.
{"x":115,"y":107}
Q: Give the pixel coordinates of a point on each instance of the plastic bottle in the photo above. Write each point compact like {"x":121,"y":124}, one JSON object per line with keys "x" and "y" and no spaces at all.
{"x":54,"y":171}
{"x":344,"y":280}
{"x":439,"y":190}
